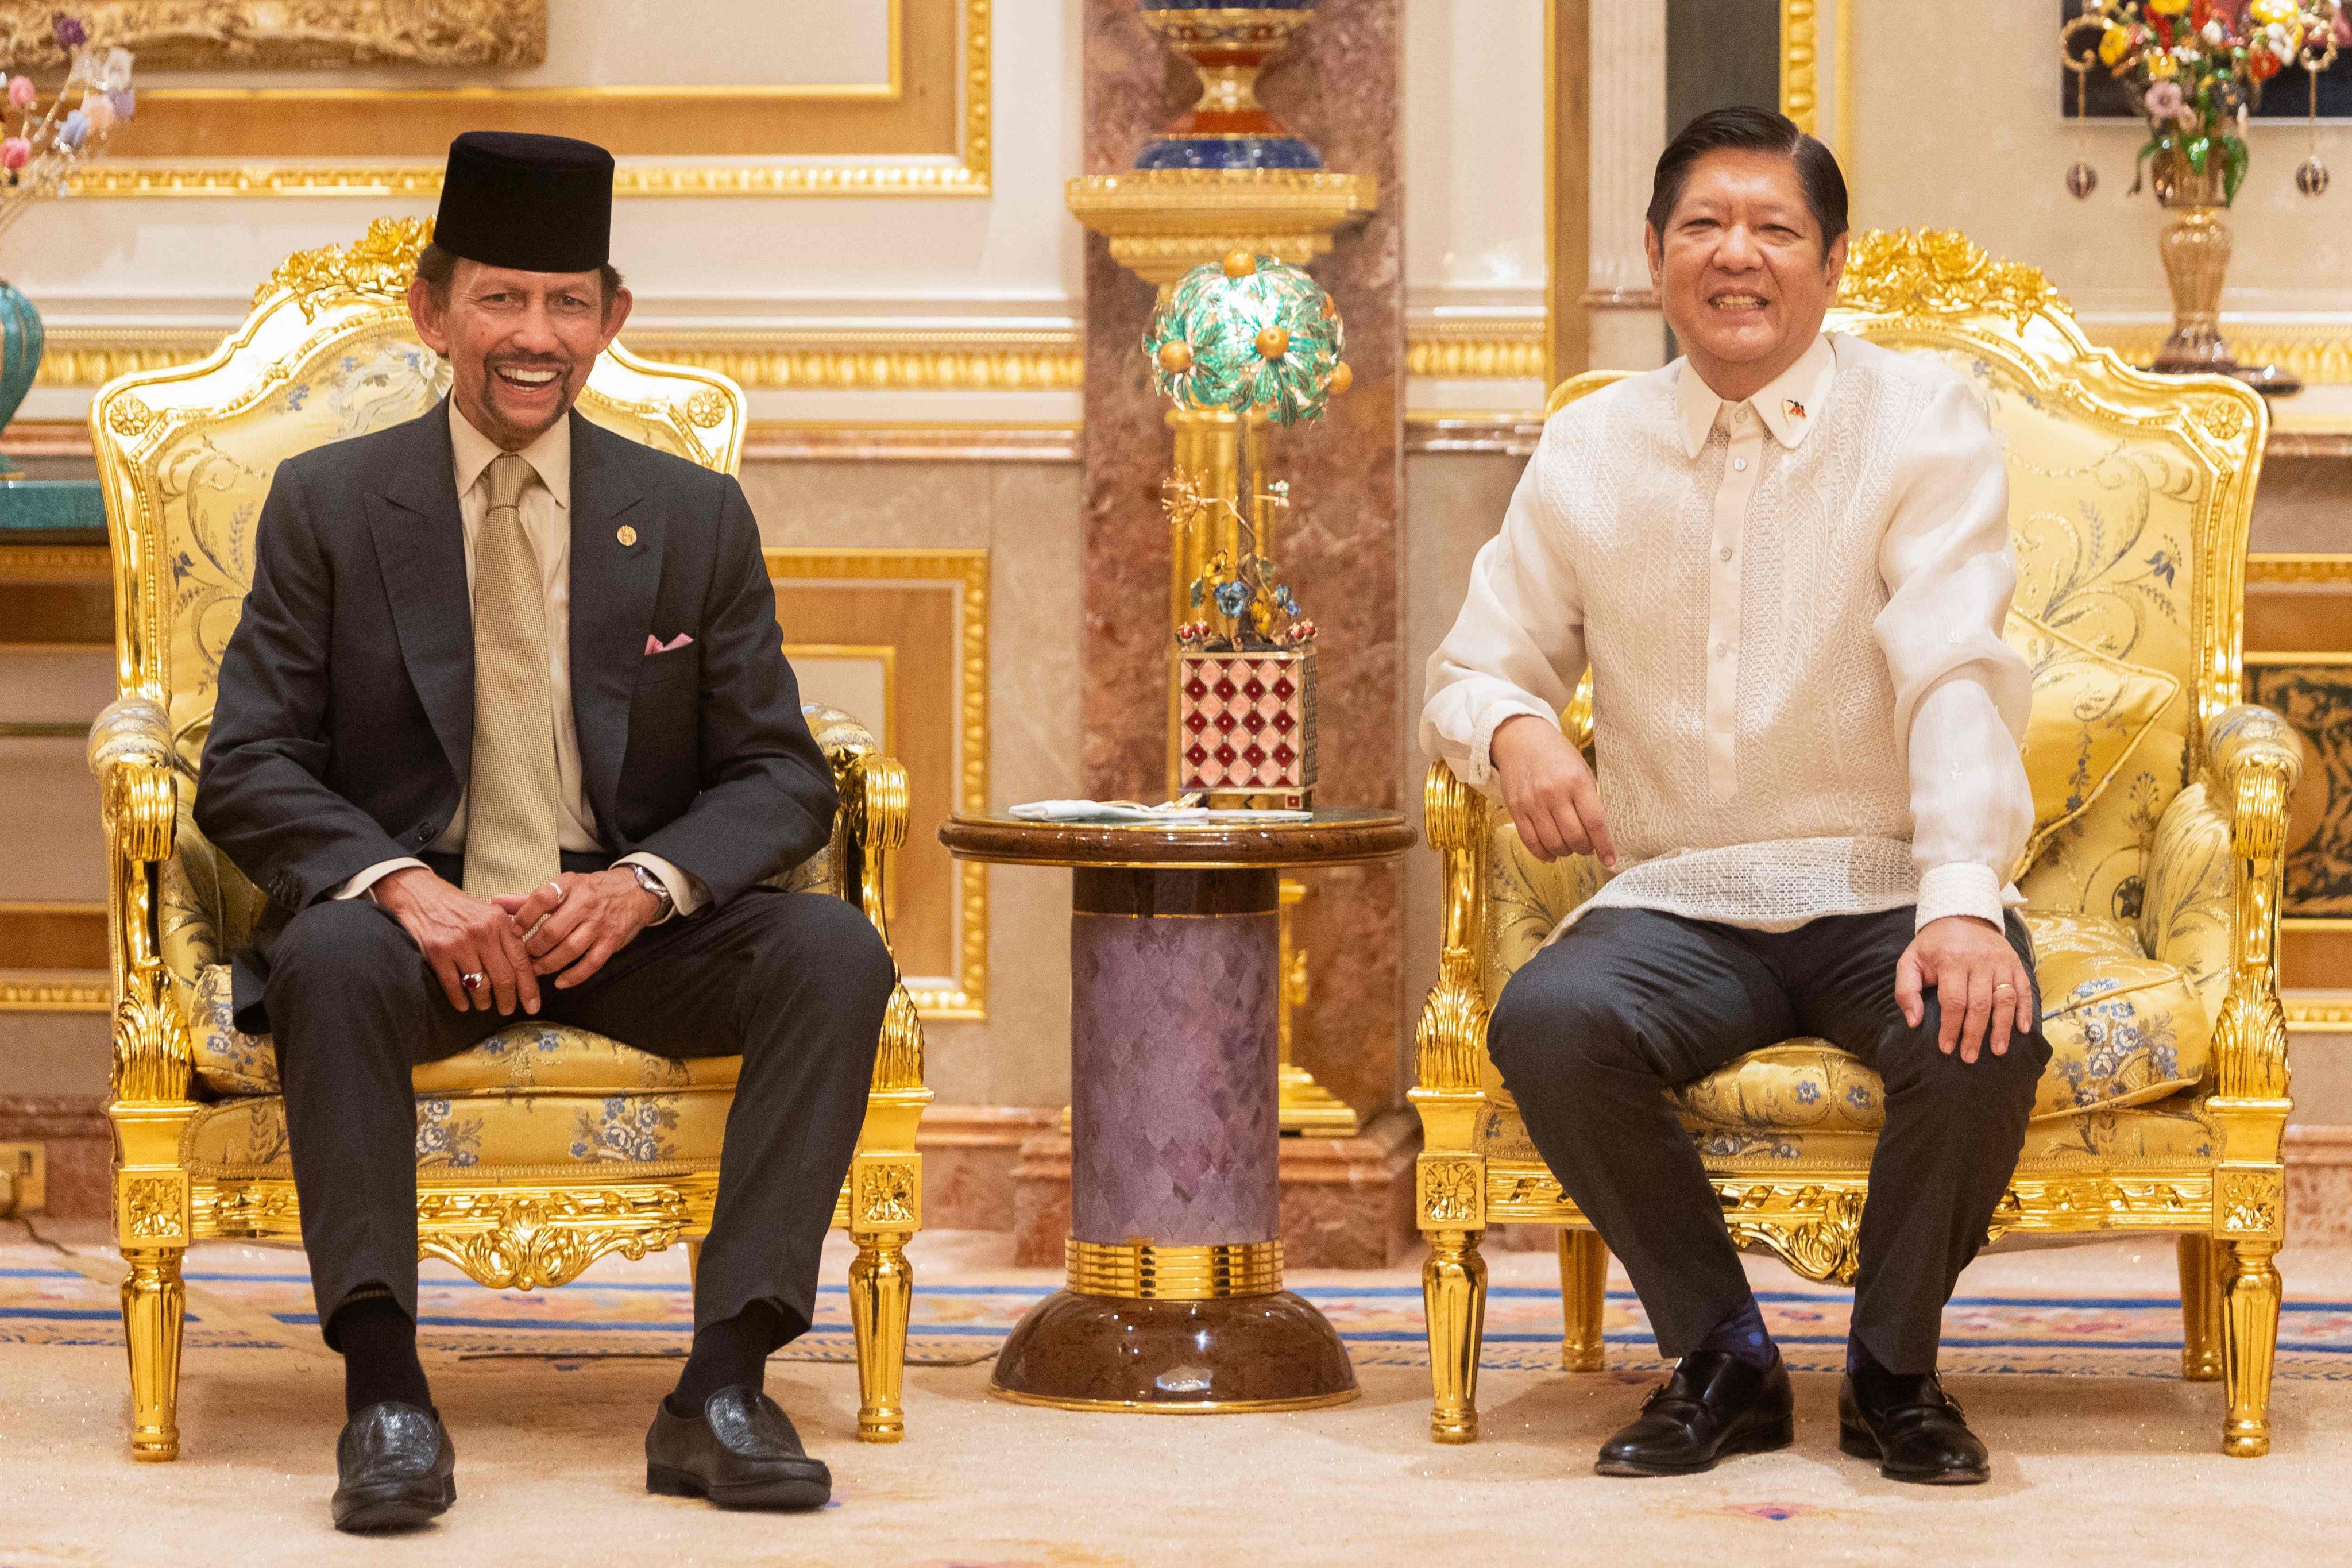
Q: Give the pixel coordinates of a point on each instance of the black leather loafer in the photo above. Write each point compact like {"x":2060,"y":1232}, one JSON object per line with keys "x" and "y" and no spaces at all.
{"x":395,"y":1470}
{"x":741,"y":1452}
{"x":1912,"y":1428}
{"x":1713,"y":1406}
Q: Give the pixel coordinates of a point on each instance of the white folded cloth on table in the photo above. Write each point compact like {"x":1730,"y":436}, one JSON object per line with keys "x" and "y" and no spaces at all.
{"x":1170,"y":812}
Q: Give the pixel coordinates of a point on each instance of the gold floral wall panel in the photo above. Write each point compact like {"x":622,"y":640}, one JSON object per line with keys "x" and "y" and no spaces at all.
{"x":181,"y":35}
{"x":916,"y":122}
{"x":910,"y":629}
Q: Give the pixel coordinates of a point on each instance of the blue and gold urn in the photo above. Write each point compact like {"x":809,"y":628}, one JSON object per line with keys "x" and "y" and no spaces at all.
{"x":1228,"y":128}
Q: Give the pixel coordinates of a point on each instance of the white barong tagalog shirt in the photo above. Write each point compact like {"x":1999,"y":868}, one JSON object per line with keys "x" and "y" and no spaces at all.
{"x":1792,"y":610}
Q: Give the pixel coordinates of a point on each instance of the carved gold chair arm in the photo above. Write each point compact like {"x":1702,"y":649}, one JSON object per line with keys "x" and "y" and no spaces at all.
{"x":1452,"y":1034}
{"x":875,"y":815}
{"x":2255,"y":764}
{"x":131,"y":753}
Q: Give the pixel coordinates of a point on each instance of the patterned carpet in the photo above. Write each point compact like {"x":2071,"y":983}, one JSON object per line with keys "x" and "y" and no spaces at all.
{"x":244,"y":1297}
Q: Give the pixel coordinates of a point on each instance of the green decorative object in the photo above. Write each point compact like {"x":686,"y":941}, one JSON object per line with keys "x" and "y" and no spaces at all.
{"x":20,"y":355}
{"x":1249,"y":335}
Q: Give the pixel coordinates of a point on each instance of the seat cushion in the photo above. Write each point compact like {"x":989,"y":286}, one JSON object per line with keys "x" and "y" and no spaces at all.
{"x":2168,"y":1133}
{"x":654,"y":1128}
{"x":525,"y":1056}
{"x":2123,"y":1029}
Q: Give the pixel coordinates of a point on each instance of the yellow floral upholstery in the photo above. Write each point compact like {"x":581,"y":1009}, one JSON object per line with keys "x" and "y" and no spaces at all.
{"x":672,"y":1130}
{"x":2171,"y":1131}
{"x":2089,"y":711}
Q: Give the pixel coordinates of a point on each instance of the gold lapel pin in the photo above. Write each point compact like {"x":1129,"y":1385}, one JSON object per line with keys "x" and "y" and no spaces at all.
{"x":627,"y":535}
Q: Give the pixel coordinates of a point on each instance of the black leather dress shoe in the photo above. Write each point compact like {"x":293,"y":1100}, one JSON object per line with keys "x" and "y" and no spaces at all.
{"x":1912,"y":1428}
{"x":394,"y":1469}
{"x":741,"y":1452}
{"x":1713,"y":1406}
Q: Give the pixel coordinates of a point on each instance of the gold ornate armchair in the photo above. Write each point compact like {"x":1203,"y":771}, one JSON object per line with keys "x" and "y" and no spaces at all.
{"x":544,"y":1147}
{"x":2152,"y":888}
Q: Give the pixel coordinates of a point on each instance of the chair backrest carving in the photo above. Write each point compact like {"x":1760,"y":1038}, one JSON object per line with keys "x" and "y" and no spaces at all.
{"x":186,"y":455}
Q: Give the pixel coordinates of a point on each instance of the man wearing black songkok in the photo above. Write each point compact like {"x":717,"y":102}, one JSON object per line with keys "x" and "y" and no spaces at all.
{"x":507,"y":731}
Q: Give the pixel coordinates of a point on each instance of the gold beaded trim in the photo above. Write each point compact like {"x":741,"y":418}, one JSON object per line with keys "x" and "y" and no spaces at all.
{"x":1140,"y":1271}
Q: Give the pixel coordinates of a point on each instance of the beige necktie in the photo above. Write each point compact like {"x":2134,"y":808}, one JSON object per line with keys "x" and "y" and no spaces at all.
{"x":511,"y":811}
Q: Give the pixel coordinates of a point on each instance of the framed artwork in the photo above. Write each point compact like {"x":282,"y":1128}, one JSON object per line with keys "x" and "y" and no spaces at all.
{"x":362,"y":97}
{"x":202,"y":34}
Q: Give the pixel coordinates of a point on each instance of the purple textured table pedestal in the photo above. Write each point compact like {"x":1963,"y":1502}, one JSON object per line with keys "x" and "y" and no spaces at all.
{"x":1175,"y":1252}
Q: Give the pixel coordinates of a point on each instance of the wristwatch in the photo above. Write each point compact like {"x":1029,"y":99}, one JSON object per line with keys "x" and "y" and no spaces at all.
{"x":658,"y":888}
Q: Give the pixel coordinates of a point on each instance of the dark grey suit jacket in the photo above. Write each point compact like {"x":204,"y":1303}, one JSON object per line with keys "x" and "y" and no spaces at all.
{"x":343,"y":731}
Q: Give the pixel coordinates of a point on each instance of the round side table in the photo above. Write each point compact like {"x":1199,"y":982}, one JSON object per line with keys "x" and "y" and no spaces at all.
{"x":1175,"y":1299}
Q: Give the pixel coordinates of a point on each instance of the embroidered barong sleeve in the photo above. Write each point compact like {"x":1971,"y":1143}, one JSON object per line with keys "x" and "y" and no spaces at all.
{"x":1517,"y":647}
{"x":1961,"y":693}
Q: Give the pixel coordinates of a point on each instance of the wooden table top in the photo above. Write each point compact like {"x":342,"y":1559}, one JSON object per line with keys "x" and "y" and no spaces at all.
{"x":1341,"y":835}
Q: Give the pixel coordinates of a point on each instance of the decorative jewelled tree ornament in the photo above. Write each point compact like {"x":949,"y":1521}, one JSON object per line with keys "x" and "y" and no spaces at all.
{"x":2082,"y":180}
{"x":1238,"y":345}
{"x":1251,"y":335}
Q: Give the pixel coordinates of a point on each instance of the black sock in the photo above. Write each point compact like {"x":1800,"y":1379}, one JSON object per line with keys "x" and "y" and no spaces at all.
{"x":378,"y":1339}
{"x":1742,"y":1336}
{"x":730,"y":1354}
{"x":1874,"y":1382}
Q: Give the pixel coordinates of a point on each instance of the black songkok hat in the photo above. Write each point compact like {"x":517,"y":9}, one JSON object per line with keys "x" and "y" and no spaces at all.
{"x":537,"y":204}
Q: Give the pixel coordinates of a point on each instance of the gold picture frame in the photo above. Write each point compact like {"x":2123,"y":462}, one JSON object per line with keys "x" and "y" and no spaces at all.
{"x":924,"y":132}
{"x":947,"y":774}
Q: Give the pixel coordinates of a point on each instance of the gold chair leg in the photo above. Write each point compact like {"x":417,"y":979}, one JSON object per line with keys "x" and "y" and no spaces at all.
{"x":1583,"y":1285}
{"x":2201,"y":1308}
{"x":154,"y":1302}
{"x":881,"y":1289}
{"x":1453,"y":1297}
{"x":2250,"y":1347}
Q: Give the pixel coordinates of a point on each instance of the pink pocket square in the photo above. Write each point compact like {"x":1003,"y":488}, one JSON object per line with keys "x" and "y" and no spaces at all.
{"x":653,"y":645}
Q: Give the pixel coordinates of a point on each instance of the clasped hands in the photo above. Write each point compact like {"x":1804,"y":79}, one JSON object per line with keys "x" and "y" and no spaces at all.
{"x":567,"y":927}
{"x":1981,"y":984}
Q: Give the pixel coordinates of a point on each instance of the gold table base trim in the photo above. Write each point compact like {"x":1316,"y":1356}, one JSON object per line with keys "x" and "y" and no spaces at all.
{"x":1196,"y":1407}
{"x":1308,"y":1107}
{"x":1142,"y":1271}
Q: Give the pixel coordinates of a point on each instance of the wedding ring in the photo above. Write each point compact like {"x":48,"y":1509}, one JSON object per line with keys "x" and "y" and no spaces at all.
{"x":472,"y":981}
{"x":559,"y":889}
{"x":2004,"y":985}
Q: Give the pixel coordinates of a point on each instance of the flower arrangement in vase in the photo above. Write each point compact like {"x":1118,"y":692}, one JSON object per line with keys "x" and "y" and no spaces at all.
{"x":2191,"y":69}
{"x":44,"y":145}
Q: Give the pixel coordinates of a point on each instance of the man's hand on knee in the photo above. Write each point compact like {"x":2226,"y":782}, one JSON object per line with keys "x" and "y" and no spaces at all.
{"x":577,"y":921}
{"x":1981,"y":984}
{"x":1548,"y":791}
{"x":462,"y":935}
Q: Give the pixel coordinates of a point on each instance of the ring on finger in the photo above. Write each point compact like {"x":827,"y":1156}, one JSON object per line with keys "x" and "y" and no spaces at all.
{"x":559,"y":889}
{"x":473,"y":980}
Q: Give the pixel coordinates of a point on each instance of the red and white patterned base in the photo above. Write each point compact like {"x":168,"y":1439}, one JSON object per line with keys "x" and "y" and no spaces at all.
{"x":1245,"y":722}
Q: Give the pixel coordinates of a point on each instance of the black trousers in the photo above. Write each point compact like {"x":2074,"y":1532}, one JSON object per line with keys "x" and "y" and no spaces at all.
{"x":794,"y":983}
{"x":1630,"y":1003}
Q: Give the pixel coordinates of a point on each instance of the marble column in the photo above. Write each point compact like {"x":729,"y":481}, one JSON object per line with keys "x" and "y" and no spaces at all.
{"x":1338,"y":86}
{"x":1628,"y":132}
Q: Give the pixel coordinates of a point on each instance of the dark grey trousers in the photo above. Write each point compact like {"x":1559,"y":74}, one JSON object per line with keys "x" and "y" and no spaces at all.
{"x":794,"y":983}
{"x":1627,"y":1004}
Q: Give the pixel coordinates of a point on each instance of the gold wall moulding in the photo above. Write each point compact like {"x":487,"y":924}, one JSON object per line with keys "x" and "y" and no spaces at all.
{"x":2328,"y":1012}
{"x":1505,"y":348}
{"x":963,"y":756}
{"x":927,"y":132}
{"x":54,"y":991}
{"x":759,"y":359}
{"x":217,"y":35}
{"x":1163,"y":222}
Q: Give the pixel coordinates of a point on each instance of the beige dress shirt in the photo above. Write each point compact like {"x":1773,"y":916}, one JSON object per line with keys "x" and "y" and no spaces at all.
{"x":547,"y":521}
{"x":1792,"y":609}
